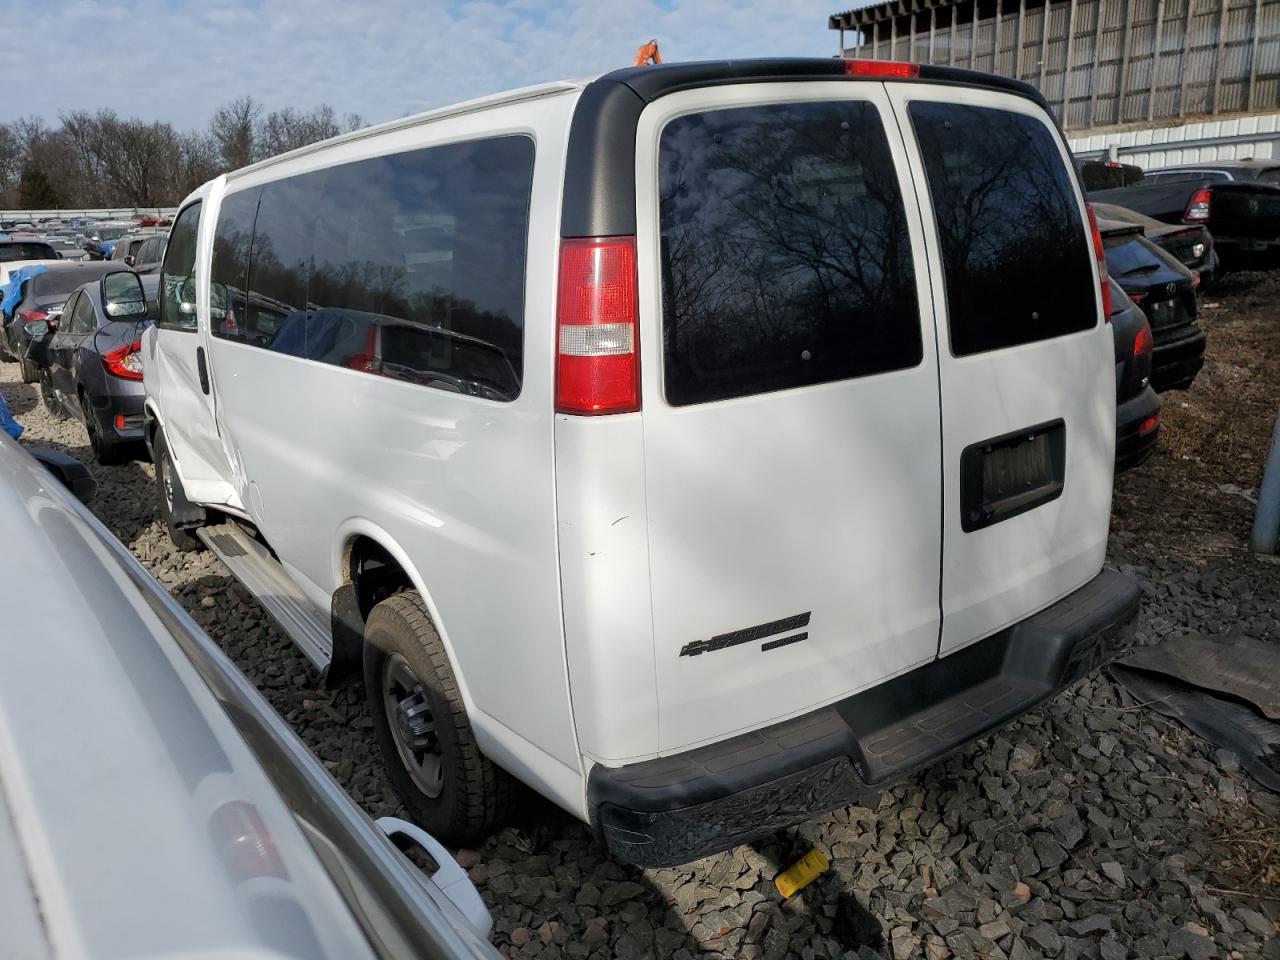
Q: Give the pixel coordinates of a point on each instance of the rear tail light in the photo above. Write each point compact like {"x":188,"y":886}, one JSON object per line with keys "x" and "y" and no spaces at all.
{"x":597,"y":327}
{"x":1198,"y":206}
{"x":1104,"y":279}
{"x":30,"y":316}
{"x":1149,"y":424}
{"x":884,"y":69}
{"x":1137,"y":297}
{"x":1143,"y":343}
{"x":125,"y":362}
{"x":370,"y":360}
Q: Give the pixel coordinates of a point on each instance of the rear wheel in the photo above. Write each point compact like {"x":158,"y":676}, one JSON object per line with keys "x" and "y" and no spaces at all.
{"x":172,"y":498}
{"x":48,"y":397}
{"x":449,"y":787}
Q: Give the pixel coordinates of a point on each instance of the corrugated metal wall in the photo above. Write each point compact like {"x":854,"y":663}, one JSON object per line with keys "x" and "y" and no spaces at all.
{"x":1098,"y":62}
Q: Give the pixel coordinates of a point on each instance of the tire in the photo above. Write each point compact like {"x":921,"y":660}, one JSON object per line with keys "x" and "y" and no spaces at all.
{"x":169,"y":491}
{"x":30,"y":372}
{"x":472,"y":796}
{"x":107,"y":450}
{"x":47,"y":397}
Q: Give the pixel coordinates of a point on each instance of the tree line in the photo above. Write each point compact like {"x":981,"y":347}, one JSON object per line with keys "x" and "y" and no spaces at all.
{"x":103,"y":160}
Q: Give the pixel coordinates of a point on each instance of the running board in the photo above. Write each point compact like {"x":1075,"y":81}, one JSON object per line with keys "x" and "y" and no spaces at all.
{"x":262,"y":575}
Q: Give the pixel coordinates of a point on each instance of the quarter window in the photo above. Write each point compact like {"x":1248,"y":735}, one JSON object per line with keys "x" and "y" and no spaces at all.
{"x":786,"y":259}
{"x":83,"y":319}
{"x":1015,"y":255}
{"x":177,"y":276}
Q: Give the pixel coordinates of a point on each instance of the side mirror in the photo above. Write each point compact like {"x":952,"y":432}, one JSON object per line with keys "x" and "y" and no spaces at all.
{"x":130,"y":260}
{"x":69,"y":471}
{"x":123,"y":296}
{"x":36,"y":328}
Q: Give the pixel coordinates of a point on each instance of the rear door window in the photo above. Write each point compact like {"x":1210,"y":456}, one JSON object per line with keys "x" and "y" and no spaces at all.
{"x":1015,"y":253}
{"x":229,"y":267}
{"x":786,"y":259}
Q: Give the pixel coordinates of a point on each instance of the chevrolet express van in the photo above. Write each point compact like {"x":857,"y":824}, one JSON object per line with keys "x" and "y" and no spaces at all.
{"x":703,"y":445}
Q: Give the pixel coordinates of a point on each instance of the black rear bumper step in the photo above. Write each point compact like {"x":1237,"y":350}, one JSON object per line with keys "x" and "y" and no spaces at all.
{"x":672,"y":810}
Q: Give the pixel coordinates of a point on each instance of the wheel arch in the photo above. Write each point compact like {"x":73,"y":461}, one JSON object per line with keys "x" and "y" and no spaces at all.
{"x":369,"y":564}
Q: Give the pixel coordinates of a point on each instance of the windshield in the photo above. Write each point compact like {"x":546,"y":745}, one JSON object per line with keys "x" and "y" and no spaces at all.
{"x":9,"y":252}
{"x":57,"y":282}
{"x":1127,"y":256}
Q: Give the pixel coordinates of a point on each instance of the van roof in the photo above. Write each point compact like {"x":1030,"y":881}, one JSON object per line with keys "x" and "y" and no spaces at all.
{"x":452,"y":110}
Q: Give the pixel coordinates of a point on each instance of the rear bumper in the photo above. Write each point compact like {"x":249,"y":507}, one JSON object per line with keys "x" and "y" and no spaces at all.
{"x":1174,"y":365}
{"x":124,"y":403}
{"x":675,"y":809}
{"x":1133,"y":444}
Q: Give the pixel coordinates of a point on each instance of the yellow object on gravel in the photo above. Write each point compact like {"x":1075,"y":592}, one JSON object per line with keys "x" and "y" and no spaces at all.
{"x":802,"y":873}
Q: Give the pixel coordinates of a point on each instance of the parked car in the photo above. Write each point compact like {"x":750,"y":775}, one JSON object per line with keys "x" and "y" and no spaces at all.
{"x":100,"y":237}
{"x":125,"y":250}
{"x":148,"y":256}
{"x":15,"y":249}
{"x":90,"y":368}
{"x":717,"y":618}
{"x":1189,"y":244}
{"x":1239,"y":203}
{"x":1166,"y":292}
{"x":67,"y":248}
{"x":1137,"y":403}
{"x":183,"y":817}
{"x":42,"y":298}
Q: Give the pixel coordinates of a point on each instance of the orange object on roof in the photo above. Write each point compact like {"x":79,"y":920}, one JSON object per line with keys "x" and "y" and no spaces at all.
{"x":648,"y":54}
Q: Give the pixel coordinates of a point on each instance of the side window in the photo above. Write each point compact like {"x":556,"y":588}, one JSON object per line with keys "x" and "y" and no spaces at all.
{"x":274,"y":313}
{"x":83,"y":319}
{"x":1016,"y":257}
{"x":785,"y":253}
{"x":177,"y":275}
{"x":419,"y":266}
{"x":230,"y":265}
{"x":68,"y":312}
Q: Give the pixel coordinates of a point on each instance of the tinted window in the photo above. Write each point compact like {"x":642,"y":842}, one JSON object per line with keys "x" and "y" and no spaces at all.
{"x":10,"y":252}
{"x":1271,"y":175}
{"x":83,"y":319}
{"x":230,"y":265}
{"x":419,"y":267}
{"x":177,"y":278}
{"x":1015,"y":254}
{"x":785,"y":254}
{"x":1127,"y":256}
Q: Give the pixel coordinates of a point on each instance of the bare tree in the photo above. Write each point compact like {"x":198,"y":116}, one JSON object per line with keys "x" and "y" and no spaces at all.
{"x":233,"y":128}
{"x":283,"y":130}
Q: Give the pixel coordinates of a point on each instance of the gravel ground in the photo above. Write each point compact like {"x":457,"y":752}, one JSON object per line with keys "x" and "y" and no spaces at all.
{"x":1090,"y":828}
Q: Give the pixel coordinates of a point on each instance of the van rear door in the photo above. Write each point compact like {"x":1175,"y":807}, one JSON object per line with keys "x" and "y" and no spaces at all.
{"x":1028,"y":394}
{"x":791,"y":412}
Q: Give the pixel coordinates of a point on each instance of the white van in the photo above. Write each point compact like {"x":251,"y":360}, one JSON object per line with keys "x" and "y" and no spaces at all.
{"x":703,"y":445}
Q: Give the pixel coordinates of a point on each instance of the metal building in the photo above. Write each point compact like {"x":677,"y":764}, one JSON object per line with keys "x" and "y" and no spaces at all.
{"x":1099,"y":63}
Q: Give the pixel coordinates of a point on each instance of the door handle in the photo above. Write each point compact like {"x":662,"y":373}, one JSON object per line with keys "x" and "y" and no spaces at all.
{"x":203,"y":369}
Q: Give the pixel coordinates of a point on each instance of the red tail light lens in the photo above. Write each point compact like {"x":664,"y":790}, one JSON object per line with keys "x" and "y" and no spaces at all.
{"x":597,"y":327}
{"x":1137,"y":297}
{"x":370,"y":360}
{"x":125,"y":362}
{"x":1143,"y":343}
{"x":30,"y":316}
{"x":883,"y":69}
{"x":1104,"y":279}
{"x":1149,"y":424}
{"x":1198,"y":206}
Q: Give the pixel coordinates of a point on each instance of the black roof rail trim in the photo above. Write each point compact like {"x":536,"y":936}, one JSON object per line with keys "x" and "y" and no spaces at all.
{"x":600,"y":188}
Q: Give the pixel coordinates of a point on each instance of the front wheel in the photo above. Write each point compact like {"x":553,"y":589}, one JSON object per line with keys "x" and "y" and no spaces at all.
{"x":107,"y":450}
{"x":172,"y":497}
{"x":449,"y":787}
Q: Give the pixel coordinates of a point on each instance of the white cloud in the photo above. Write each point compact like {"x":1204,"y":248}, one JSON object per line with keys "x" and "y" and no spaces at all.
{"x":178,"y":60}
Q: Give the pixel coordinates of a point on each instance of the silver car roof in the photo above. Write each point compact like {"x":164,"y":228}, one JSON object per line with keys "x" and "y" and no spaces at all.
{"x":146,"y":825}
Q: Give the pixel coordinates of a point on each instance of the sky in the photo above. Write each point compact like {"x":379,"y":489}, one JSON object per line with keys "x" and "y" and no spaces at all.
{"x":179,"y":60}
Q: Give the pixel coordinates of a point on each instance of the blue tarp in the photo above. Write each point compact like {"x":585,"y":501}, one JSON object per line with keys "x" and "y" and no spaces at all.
{"x":9,"y":291}
{"x":9,"y":425}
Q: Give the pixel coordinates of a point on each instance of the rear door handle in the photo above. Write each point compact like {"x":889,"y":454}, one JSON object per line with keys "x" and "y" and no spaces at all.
{"x":203,"y":369}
